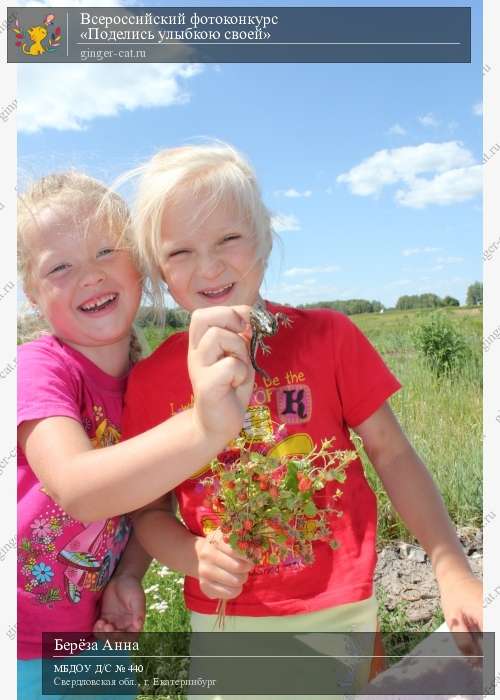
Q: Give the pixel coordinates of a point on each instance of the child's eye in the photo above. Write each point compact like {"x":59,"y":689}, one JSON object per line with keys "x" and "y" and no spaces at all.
{"x":231,"y":237}
{"x":105,"y":251}
{"x":176,"y":253}
{"x":59,"y":268}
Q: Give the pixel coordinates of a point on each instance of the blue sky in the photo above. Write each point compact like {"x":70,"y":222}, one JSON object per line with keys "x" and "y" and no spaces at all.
{"x":372,"y":171}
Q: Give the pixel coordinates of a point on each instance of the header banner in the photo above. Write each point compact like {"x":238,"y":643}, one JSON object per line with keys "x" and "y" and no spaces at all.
{"x":239,"y":35}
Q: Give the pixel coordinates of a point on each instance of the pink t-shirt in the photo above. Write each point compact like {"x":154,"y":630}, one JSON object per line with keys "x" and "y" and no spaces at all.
{"x":63,"y":564}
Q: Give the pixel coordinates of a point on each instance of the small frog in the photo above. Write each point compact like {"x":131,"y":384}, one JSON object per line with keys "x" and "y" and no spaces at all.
{"x":263,"y":322}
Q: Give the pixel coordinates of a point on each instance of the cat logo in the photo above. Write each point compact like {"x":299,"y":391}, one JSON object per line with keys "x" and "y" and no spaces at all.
{"x":40,"y":39}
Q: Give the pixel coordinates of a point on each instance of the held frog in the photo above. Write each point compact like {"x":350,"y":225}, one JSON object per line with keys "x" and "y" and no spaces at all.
{"x":264,"y":323}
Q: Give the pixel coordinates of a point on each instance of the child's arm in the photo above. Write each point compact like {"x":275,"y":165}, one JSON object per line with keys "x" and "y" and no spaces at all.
{"x":221,"y":571}
{"x":414,"y":495}
{"x":93,"y":484}
{"x":123,"y":603}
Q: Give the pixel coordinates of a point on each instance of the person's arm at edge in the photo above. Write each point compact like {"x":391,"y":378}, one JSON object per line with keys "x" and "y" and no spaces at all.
{"x":416,"y":498}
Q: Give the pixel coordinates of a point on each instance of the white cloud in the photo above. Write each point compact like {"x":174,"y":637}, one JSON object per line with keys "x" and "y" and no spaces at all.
{"x":477,"y":109}
{"x":429,"y":120}
{"x":70,"y":96}
{"x":417,"y":251}
{"x":453,"y":186}
{"x":453,"y":180}
{"x":285,"y":222}
{"x":389,"y":166}
{"x":301,"y":271}
{"x":397,"y":129}
{"x":293,"y":193}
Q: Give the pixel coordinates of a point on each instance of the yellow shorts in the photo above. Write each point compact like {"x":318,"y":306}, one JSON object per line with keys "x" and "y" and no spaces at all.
{"x":351,"y":617}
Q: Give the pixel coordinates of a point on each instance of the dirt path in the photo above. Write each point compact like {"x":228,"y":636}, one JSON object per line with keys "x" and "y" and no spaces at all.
{"x":404,"y":574}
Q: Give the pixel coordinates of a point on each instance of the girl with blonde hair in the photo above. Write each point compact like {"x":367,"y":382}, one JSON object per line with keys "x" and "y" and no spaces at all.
{"x":78,"y":270}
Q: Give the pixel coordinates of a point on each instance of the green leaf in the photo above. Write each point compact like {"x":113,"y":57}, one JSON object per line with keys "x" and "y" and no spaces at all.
{"x":291,"y":481}
{"x":310,"y":508}
{"x":233,"y":540}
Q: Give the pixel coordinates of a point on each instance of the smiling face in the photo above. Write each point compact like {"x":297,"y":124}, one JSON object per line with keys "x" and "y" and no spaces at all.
{"x":212,"y":261}
{"x":87,"y":289}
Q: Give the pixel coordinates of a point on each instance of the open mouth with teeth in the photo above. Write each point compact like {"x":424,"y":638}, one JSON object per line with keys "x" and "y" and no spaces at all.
{"x":217,"y":293}
{"x":98,"y":304}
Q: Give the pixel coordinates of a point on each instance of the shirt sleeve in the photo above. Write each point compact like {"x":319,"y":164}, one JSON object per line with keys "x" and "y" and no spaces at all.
{"x":363,"y":379}
{"x":45,"y":385}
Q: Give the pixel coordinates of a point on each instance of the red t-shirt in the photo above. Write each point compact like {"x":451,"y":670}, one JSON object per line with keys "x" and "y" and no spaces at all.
{"x":325,"y":376}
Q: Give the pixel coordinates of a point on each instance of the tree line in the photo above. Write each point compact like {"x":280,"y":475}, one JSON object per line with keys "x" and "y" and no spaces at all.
{"x":178,"y":318}
{"x":474,"y":297}
{"x":347,"y":306}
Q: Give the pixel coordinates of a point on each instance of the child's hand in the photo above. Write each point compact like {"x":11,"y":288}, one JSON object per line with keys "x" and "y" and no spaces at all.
{"x":221,"y":572}
{"x":123,"y":606}
{"x":462,"y":603}
{"x":220,"y":369}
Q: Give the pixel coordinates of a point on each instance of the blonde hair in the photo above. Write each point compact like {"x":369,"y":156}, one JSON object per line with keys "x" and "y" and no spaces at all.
{"x":208,"y":174}
{"x":71,"y":192}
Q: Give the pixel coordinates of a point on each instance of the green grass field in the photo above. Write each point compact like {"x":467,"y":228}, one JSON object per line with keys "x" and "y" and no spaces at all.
{"x":441,"y":417}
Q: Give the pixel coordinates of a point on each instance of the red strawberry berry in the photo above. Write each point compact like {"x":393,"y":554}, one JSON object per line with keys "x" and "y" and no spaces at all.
{"x":304,"y":484}
{"x":247,"y":524}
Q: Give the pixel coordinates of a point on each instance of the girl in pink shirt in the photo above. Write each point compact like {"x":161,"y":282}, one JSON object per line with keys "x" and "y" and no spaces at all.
{"x":79,"y":274}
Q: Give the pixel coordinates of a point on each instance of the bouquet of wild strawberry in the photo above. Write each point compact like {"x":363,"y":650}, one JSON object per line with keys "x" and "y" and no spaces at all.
{"x":265,"y":506}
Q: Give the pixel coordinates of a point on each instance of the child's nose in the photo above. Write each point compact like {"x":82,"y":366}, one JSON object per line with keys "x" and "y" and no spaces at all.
{"x":211,"y":266}
{"x":92,"y":275}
